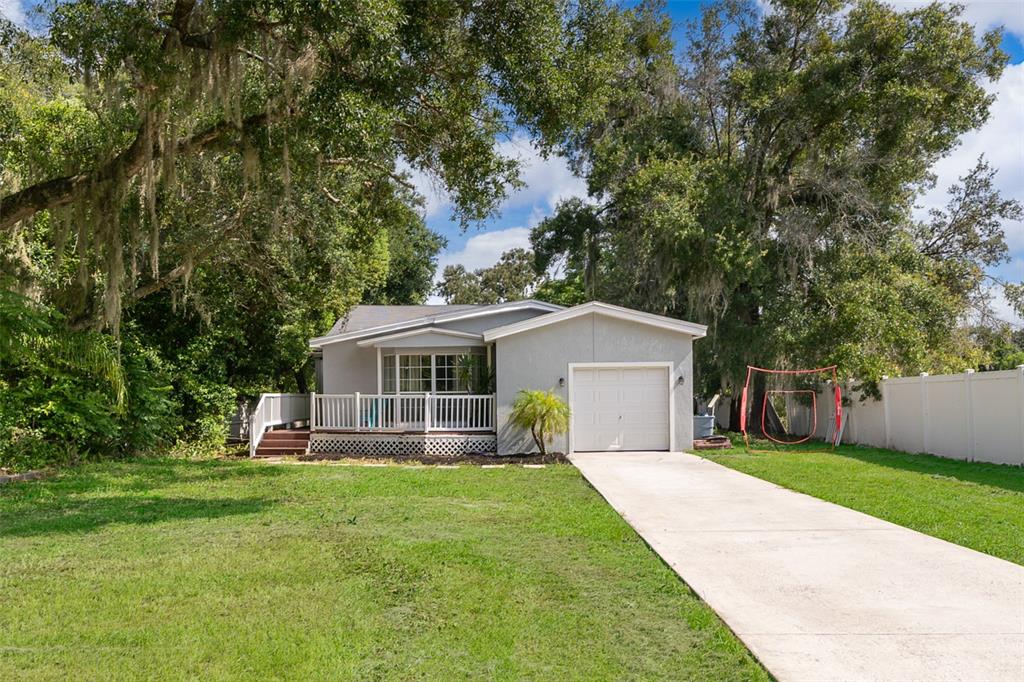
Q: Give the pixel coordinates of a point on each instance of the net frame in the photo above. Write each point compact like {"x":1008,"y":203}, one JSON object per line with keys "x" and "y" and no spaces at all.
{"x":837,"y":398}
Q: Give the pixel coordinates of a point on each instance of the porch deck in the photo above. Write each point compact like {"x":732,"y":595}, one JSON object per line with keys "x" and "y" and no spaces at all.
{"x":421,"y":423}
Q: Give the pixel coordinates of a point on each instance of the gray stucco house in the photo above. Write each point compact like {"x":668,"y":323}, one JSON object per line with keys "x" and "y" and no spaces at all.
{"x":442,"y":379}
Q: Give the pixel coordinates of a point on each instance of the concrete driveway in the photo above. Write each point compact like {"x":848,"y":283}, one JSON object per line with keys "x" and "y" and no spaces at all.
{"x":816,"y":591}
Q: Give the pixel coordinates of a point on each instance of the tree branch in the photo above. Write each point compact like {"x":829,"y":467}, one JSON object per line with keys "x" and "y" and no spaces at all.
{"x":61,"y":191}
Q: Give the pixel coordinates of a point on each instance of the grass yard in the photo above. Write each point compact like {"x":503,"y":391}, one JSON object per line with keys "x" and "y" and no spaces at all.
{"x":973,"y":504}
{"x":169,"y":569}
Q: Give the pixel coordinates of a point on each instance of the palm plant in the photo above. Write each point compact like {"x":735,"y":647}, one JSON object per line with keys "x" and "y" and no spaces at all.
{"x":543,"y":413}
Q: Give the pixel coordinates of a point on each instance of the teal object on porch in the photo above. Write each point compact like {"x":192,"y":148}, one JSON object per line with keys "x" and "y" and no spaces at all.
{"x":371,"y":418}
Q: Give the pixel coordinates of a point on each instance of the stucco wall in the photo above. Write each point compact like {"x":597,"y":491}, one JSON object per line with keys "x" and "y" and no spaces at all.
{"x":347,"y":368}
{"x":537,"y":359}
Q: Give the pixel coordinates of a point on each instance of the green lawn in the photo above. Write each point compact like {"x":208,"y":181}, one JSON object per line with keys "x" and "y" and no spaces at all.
{"x":171,"y":569}
{"x":972,"y":504}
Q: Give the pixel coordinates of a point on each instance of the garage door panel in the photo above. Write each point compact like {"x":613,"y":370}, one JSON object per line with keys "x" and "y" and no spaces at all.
{"x":633,"y":395}
{"x":620,"y":408}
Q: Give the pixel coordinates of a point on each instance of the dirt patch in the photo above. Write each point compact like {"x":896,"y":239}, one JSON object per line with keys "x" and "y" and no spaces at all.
{"x":477,"y":460}
{"x":8,"y":476}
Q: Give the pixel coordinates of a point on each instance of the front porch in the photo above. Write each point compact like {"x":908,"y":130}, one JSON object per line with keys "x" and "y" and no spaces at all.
{"x":380,"y":424}
{"x":401,"y":413}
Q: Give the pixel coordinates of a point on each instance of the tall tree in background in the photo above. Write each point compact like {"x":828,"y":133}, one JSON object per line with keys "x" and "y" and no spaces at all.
{"x":765,"y":184}
{"x":512,"y":278}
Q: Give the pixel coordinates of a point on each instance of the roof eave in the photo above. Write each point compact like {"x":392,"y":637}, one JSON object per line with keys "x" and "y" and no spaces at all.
{"x":696,"y":331}
{"x":321,"y":341}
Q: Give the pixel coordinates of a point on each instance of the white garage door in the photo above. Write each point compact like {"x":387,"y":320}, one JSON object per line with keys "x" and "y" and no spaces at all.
{"x":620,"y":408}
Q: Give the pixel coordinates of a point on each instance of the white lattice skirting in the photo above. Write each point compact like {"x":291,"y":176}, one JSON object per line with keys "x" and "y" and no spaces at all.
{"x":435,"y":445}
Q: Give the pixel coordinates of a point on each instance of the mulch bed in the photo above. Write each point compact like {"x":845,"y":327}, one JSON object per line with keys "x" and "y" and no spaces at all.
{"x":476,"y":460}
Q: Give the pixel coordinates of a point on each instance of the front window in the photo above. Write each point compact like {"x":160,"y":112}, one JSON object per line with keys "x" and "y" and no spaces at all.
{"x":438,"y":373}
{"x":448,"y":374}
{"x":388,"y":377}
{"x":414,"y":373}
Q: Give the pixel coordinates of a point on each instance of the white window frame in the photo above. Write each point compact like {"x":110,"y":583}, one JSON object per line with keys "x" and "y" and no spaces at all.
{"x":472,"y":350}
{"x":670,"y":381}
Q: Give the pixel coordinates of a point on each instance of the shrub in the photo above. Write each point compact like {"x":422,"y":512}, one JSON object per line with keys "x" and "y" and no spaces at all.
{"x":73,"y":395}
{"x":543,"y":413}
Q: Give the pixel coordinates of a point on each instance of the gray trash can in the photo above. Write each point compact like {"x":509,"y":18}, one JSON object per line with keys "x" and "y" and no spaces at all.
{"x":703,"y":425}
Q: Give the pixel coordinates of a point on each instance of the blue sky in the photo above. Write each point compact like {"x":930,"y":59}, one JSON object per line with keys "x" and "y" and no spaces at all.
{"x":547,"y":181}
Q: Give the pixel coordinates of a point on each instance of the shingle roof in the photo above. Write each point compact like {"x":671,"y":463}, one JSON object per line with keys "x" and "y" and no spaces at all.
{"x":368,"y":316}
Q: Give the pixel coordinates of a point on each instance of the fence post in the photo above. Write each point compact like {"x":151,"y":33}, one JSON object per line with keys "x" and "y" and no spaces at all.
{"x":1020,"y":403}
{"x":312,"y":411}
{"x":925,"y":425}
{"x":428,"y":410}
{"x":252,"y":434}
{"x":885,"y":410}
{"x":968,"y":376}
{"x":848,"y":413}
{"x":356,"y":412}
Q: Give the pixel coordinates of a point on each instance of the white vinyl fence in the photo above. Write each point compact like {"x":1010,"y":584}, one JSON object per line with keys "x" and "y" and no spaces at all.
{"x":974,"y":416}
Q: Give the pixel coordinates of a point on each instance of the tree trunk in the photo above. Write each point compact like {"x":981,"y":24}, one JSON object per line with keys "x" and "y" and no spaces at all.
{"x":539,"y":441}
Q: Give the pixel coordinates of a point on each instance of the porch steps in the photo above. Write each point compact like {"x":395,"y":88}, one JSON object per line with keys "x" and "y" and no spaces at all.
{"x":283,"y":442}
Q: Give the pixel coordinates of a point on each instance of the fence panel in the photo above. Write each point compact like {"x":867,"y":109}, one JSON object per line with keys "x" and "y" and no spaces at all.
{"x":947,"y":416}
{"x":996,"y":401}
{"x":977,"y":416}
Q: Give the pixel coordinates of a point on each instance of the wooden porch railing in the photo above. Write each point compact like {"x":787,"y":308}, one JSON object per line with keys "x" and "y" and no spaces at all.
{"x":401,"y":412}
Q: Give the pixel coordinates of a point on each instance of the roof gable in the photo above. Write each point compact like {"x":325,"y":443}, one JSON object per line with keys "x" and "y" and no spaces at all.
{"x":596,"y":307}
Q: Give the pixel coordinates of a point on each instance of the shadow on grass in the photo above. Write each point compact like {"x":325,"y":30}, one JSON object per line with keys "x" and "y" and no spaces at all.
{"x":150,"y":474}
{"x":84,"y":516}
{"x":86,"y":498}
{"x":1007,"y":477}
{"x":1002,"y":476}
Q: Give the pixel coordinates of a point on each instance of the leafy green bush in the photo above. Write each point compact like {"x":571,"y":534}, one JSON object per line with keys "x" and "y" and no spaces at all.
{"x":153,"y":416}
{"x":73,"y":395}
{"x":543,"y":413}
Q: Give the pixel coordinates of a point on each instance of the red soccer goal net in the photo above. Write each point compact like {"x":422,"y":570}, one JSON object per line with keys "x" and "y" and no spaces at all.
{"x":790,"y":406}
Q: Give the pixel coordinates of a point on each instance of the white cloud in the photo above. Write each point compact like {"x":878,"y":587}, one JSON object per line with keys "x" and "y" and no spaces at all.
{"x":1001,"y":308}
{"x":545,"y":181}
{"x":1001,"y":140}
{"x":435,"y":197}
{"x":13,"y":11}
{"x":984,"y":14}
{"x":482,"y":251}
